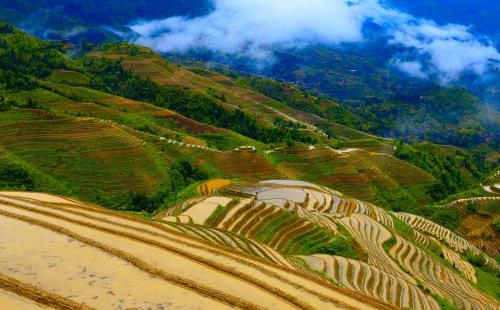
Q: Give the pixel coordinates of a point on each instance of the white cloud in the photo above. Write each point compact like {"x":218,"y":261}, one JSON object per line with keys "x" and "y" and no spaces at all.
{"x":448,"y":50}
{"x":413,"y":68}
{"x":254,"y":27}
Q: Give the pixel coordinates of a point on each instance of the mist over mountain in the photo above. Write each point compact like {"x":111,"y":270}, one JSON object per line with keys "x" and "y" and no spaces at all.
{"x":423,"y":43}
{"x":255,"y":28}
{"x":91,"y":19}
{"x":348,"y":50}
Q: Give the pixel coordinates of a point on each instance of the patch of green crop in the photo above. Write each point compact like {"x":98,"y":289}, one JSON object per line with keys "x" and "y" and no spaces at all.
{"x":496,"y":224}
{"x":488,"y":283}
{"x":402,"y":228}
{"x":228,"y":141}
{"x":212,"y":219}
{"x":444,"y":304}
{"x":339,"y":245}
{"x":266,"y":233}
{"x":389,"y":244}
{"x":69,"y":77}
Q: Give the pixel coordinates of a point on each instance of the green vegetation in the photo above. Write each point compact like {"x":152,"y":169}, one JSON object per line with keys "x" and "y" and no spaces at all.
{"x":23,"y":58}
{"x":69,"y":77}
{"x":402,"y":228}
{"x":181,"y":175}
{"x":228,"y":140}
{"x":109,"y":76}
{"x":479,"y":261}
{"x":496,"y":224}
{"x":441,"y":115}
{"x":15,"y":177}
{"x":321,"y":241}
{"x":488,"y":282}
{"x":444,"y":304}
{"x":214,"y":217}
{"x":301,"y":100}
{"x":388,"y":104}
{"x":396,"y":199}
{"x":266,"y":233}
{"x":340,"y":245}
{"x":453,"y":172}
{"x":447,"y":217}
{"x":486,"y":208}
{"x":389,"y":244}
{"x":475,"y":192}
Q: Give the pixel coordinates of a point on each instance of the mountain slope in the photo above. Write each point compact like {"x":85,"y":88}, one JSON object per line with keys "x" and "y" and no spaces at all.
{"x":200,"y":116}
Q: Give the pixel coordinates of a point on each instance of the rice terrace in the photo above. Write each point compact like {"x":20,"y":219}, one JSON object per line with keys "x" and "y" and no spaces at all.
{"x":249,"y":154}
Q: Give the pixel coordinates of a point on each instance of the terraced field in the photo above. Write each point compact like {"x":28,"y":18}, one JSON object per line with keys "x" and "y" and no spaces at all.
{"x":151,"y":65}
{"x":452,"y":240}
{"x":310,"y":197}
{"x":68,"y":95}
{"x":269,"y":224}
{"x":206,"y":220}
{"x":372,"y":281}
{"x":438,"y":278}
{"x":109,"y":260}
{"x":353,"y":171}
{"x":211,"y":187}
{"x":476,"y":224}
{"x":396,"y":271}
{"x":84,"y":148}
{"x":478,"y":230}
{"x":133,"y":114}
{"x":372,"y":235}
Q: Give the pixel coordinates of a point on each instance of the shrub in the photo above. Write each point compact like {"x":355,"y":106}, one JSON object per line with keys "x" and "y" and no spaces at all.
{"x":15,"y":177}
{"x":448,"y":217}
{"x":496,"y":224}
{"x":474,"y":259}
{"x":340,"y":245}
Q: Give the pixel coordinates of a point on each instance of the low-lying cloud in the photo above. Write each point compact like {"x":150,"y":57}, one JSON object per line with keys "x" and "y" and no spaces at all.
{"x":254,"y":28}
{"x":444,"y":51}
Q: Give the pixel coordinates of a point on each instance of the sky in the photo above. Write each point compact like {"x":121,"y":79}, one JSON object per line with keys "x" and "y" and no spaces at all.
{"x":253,"y":28}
